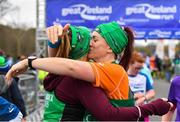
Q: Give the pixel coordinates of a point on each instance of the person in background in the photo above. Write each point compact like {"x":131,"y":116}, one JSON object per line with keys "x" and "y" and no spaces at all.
{"x":167,"y":68}
{"x":153,"y":66}
{"x":139,"y":82}
{"x":158,"y":62}
{"x":2,"y":52}
{"x":146,"y":68}
{"x":147,"y":72}
{"x":4,"y":67}
{"x":9,"y":112}
{"x":12,"y":92}
{"x":10,"y":60}
{"x":173,"y":97}
{"x":176,"y":64}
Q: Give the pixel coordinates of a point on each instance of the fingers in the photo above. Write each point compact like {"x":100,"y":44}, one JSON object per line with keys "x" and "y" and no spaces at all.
{"x":171,"y":104}
{"x":51,"y":35}
{"x":138,"y":95}
{"x":172,"y":107}
{"x":8,"y":82}
{"x":66,"y":27}
{"x":8,"y":77}
{"x":11,"y":73}
{"x":59,"y":29}
{"x":53,"y":32}
{"x":16,"y":69}
{"x":164,"y":99}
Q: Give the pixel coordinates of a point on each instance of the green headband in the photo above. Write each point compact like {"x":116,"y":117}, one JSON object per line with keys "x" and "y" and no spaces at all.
{"x":2,"y":61}
{"x":114,"y":35}
{"x":80,"y":42}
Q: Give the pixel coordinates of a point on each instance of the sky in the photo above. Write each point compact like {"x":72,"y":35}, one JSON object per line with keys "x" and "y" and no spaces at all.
{"x":25,"y":15}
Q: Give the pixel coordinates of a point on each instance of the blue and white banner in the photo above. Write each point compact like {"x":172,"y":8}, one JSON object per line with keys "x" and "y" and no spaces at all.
{"x":149,"y":19}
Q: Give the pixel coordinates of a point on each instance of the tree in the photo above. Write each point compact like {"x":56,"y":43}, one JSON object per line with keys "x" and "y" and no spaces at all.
{"x":6,"y":7}
{"x":17,"y":41}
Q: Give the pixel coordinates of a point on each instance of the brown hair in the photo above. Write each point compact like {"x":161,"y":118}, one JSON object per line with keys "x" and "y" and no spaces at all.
{"x":137,"y":57}
{"x":127,"y":53}
{"x":65,"y":46}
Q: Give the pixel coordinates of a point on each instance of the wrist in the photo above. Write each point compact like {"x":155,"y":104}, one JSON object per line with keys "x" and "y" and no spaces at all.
{"x":26,"y":62}
{"x":55,"y":45}
{"x":30,"y":60}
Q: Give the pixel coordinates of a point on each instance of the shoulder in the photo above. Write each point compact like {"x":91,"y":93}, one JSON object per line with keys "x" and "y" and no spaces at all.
{"x":143,"y":75}
{"x":109,"y":68}
{"x":176,"y":81}
{"x":106,"y":65}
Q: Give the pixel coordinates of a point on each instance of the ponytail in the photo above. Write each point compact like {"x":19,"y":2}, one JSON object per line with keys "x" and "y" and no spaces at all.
{"x":65,"y":47}
{"x":127,"y":53}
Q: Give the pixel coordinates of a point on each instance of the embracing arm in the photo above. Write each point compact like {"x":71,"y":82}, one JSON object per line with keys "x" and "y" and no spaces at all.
{"x":97,"y":103}
{"x":61,"y":66}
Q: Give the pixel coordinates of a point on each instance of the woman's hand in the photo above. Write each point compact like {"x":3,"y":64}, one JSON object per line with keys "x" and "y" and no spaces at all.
{"x":140,"y":101}
{"x":16,"y":69}
{"x":55,"y":31}
{"x":138,"y":95}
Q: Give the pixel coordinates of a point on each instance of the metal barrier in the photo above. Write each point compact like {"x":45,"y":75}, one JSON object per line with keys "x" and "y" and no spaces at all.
{"x":28,"y":85}
{"x":37,"y":115}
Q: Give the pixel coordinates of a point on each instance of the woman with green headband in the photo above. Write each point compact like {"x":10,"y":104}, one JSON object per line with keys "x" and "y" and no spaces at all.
{"x":72,"y":68}
{"x":74,"y":45}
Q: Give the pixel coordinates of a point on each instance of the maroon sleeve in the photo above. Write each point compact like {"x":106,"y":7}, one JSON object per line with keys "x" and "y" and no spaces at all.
{"x":96,"y":102}
{"x":156,"y":107}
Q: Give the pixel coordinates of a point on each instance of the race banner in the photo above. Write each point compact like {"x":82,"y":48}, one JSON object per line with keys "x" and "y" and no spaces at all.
{"x":148,"y":18}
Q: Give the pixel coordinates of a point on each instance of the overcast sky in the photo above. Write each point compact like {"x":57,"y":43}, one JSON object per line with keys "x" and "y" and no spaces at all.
{"x":25,"y":15}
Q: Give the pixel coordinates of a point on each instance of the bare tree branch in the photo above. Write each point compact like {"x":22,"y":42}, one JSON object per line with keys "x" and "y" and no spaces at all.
{"x":6,"y":7}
